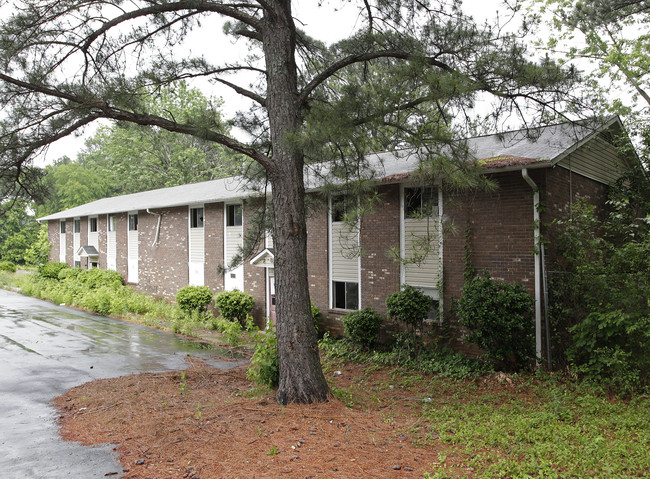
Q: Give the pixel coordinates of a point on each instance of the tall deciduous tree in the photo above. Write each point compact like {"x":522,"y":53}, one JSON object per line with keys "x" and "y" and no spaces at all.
{"x":612,"y":37}
{"x":67,"y":63}
{"x":138,"y":158}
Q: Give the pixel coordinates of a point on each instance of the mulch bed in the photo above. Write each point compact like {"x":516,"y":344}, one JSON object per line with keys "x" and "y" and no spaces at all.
{"x":204,"y":423}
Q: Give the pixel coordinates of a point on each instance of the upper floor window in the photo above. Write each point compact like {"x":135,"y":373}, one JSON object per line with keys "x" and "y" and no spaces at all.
{"x":111,"y":223}
{"x":77,"y":226}
{"x":92,"y":225}
{"x":62,"y":226}
{"x":133,"y":222}
{"x":196,"y":217}
{"x":420,"y":202}
{"x":342,"y":206}
{"x":234,"y":215}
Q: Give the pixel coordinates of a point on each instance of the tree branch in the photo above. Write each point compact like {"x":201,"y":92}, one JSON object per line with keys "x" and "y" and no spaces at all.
{"x":359,"y":58}
{"x":234,"y":11}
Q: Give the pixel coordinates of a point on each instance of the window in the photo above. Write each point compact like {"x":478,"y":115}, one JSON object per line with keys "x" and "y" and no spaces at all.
{"x":111,"y":223}
{"x":92,"y":225}
{"x":133,"y":222}
{"x":341,"y":206}
{"x":420,"y":202}
{"x":77,"y":264}
{"x":62,"y":226}
{"x":94,"y":264}
{"x":233,"y":215}
{"x":346,"y":295}
{"x":77,"y":226}
{"x":196,"y":217}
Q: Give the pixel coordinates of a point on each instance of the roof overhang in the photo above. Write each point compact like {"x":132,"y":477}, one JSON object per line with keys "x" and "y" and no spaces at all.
{"x":266,"y":259}
{"x":87,"y":251}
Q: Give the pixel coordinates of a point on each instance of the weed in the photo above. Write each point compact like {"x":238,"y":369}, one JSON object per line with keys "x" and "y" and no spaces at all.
{"x":273,"y":451}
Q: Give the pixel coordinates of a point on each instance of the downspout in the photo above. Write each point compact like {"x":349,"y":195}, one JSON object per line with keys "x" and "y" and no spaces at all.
{"x":538,"y":293}
{"x":155,"y":240}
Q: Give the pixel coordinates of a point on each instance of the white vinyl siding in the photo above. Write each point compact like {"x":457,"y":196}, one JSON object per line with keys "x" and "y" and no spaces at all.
{"x":421,"y":245}
{"x":111,"y":243}
{"x":133,"y":249}
{"x":76,"y":241}
{"x":62,"y":244}
{"x":234,"y":241}
{"x":598,"y":160}
{"x":93,"y":236}
{"x":421,"y":240}
{"x":344,"y":257}
{"x":197,"y":247}
{"x":345,"y":252}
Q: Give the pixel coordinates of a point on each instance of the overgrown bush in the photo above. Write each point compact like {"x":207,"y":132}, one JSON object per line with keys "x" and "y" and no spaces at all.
{"x":499,"y":317}
{"x":234,"y":305}
{"x":264,"y":368}
{"x":68,"y":272}
{"x":96,"y":278}
{"x":362,"y":327}
{"x":194,"y":298}
{"x":409,"y":306}
{"x":51,"y":270}
{"x":8,"y":266}
{"x":599,"y":306}
{"x":612,"y":350}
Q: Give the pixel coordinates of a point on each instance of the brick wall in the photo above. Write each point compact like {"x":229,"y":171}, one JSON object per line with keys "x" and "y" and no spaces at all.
{"x":121,"y":244}
{"x":501,"y":234}
{"x":83,"y":241}
{"x":317,"y":258}
{"x":563,"y":188}
{"x":213,"y":224}
{"x":101,"y":239}
{"x":254,"y":276}
{"x":53,"y":236}
{"x":380,"y":273}
{"x":163,"y":266}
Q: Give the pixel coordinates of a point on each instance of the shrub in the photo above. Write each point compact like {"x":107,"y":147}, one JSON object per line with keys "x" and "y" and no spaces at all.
{"x":409,"y":306}
{"x":68,"y":272}
{"x":194,"y":298}
{"x":264,"y":368}
{"x":234,"y":305}
{"x":612,"y":350}
{"x":8,"y":266}
{"x":499,"y":318}
{"x":362,"y":327}
{"x":316,"y":314}
{"x":96,"y":278}
{"x":51,"y":270}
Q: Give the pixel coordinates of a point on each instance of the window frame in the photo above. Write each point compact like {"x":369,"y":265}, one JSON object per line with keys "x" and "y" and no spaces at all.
{"x":234,"y":214}
{"x":111,"y":223}
{"x":132,"y":224}
{"x":76,"y":228}
{"x":92,"y":223}
{"x":350,"y":290}
{"x":62,"y":227}
{"x":197,"y":219}
{"x":426,"y":199}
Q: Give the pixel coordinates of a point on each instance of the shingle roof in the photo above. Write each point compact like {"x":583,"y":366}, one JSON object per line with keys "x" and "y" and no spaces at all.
{"x":511,"y":150}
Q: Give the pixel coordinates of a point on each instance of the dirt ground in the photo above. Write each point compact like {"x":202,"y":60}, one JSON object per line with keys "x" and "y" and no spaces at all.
{"x":205,"y":423}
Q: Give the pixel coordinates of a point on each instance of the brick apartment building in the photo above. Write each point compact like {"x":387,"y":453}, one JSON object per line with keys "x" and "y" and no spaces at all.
{"x":165,"y":239}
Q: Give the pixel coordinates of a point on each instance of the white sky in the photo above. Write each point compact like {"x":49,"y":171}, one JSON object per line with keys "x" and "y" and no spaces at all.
{"x":323,"y":23}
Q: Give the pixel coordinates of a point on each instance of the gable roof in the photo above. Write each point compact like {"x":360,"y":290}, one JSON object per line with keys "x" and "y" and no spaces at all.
{"x":526,"y":148}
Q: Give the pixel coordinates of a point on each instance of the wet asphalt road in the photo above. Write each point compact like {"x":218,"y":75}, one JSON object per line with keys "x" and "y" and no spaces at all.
{"x":47,"y":349}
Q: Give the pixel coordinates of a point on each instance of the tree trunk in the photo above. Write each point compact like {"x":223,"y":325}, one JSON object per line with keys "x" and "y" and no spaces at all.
{"x":301,"y":374}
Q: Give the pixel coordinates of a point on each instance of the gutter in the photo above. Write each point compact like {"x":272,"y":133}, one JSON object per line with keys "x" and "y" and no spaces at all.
{"x":538,"y":293}
{"x":155,"y":240}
